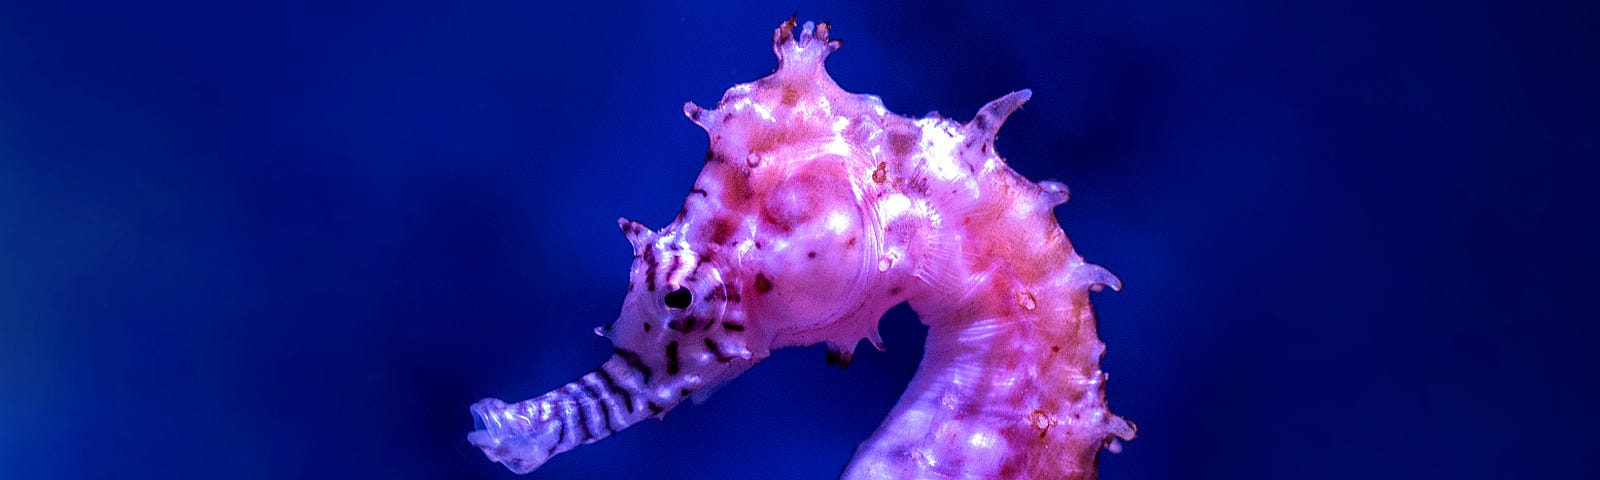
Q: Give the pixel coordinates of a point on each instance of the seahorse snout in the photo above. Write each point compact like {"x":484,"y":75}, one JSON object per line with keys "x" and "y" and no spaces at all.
{"x":514,"y":435}
{"x":526,"y":434}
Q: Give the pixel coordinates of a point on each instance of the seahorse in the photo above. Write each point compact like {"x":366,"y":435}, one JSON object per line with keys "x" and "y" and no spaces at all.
{"x":816,"y":211}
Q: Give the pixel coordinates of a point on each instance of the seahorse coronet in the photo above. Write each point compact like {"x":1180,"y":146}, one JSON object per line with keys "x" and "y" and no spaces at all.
{"x":816,"y":211}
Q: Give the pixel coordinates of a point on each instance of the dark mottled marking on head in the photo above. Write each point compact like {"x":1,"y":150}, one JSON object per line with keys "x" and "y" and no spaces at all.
{"x":632,"y":359}
{"x":732,"y":327}
{"x":895,"y":290}
{"x":736,"y":187}
{"x":611,"y":384}
{"x":723,"y":294}
{"x":672,"y":357}
{"x":901,"y":143}
{"x":650,"y":268}
{"x":721,"y":230}
{"x":646,"y":326}
{"x":716,"y":351}
{"x":677,"y":262}
{"x":982,"y":121}
{"x":683,"y":325}
{"x":811,"y":254}
{"x":763,"y":284}
{"x":783,"y":225}
{"x":1013,"y":469}
{"x":711,"y":156}
{"x":1055,"y":348}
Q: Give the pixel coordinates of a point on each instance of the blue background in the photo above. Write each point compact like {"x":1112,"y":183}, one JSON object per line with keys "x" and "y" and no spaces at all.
{"x":298,"y":239}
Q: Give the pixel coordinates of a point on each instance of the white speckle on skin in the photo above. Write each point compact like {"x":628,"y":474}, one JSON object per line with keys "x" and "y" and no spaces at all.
{"x":939,"y":147}
{"x":893,"y":206}
{"x":916,"y":421}
{"x":839,"y":125}
{"x":838,"y":147}
{"x":988,"y":452}
{"x":925,"y":457}
{"x":838,"y":222}
{"x":981,"y":440}
{"x":764,"y":111}
{"x":1006,"y":382}
{"x":824,"y":107}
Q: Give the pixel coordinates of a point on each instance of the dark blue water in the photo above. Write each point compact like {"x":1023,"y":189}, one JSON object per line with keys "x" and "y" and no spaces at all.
{"x":297,"y":240}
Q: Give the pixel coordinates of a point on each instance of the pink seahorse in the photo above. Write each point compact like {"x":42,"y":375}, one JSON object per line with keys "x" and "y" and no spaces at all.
{"x":816,"y":212}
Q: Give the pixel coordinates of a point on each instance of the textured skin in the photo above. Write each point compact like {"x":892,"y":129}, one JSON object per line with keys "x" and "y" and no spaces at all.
{"x":816,"y":212}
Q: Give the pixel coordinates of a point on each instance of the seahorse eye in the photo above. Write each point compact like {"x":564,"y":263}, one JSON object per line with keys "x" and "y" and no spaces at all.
{"x":679,"y":298}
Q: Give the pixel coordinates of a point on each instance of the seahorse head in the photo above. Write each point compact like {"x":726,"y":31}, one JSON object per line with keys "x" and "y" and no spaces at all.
{"x":779,"y":242}
{"x":776,"y":246}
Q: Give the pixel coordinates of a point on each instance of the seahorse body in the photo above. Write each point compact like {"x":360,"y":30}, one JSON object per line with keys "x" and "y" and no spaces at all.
{"x":816,"y":212}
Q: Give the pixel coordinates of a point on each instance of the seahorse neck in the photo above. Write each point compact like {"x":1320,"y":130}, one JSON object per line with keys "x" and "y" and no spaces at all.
{"x":1003,"y":391}
{"x":1010,"y":384}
